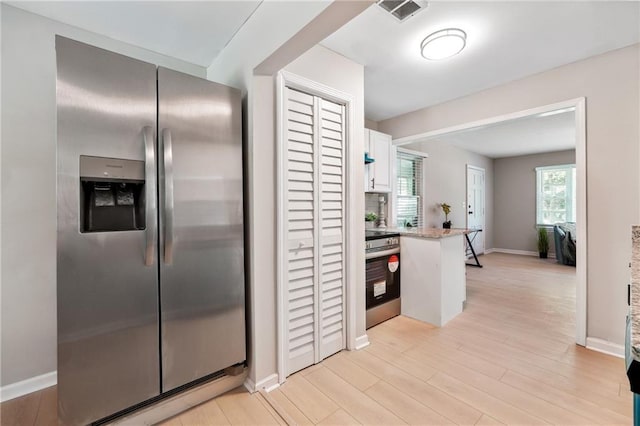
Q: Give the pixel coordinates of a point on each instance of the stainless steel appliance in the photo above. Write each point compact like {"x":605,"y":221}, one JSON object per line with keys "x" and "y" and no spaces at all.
{"x":382,"y":276}
{"x":150,"y":269}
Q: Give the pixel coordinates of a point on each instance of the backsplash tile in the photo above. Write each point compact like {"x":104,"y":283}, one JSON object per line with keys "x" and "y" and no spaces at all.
{"x":372,"y":204}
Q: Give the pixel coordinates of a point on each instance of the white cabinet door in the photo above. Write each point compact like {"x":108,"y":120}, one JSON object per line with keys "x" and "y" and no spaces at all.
{"x":380,"y":171}
{"x":314,"y":216}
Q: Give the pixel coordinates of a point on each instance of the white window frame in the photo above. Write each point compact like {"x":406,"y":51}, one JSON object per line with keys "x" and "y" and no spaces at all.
{"x":570,"y":197}
{"x":393,"y":207}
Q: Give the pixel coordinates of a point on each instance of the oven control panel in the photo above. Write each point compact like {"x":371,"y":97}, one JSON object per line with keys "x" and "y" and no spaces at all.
{"x":382,"y":244}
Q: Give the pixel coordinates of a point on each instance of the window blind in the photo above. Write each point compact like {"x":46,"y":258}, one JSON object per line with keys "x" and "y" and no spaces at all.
{"x":409,"y":189}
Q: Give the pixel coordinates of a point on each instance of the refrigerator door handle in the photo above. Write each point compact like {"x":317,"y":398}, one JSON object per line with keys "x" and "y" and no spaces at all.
{"x":150,"y":194}
{"x":168,"y":195}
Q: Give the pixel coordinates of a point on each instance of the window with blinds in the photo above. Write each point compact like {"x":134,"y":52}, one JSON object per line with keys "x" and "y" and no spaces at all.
{"x":409,"y":190}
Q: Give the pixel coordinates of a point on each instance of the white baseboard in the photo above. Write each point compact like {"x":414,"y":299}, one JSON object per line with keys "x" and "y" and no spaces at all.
{"x":249,"y":385}
{"x":606,"y":347}
{"x":273,"y":386}
{"x":269,"y":383}
{"x":24,"y":387}
{"x":487,"y":251}
{"x":509,"y":251}
{"x":362,"y":342}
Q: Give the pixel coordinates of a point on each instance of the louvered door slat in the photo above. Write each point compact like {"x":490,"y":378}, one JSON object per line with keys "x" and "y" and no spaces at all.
{"x":332,"y":333}
{"x":301,"y":228}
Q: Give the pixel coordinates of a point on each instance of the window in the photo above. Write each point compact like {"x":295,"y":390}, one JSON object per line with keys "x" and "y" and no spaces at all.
{"x":556,"y":194}
{"x":409,"y":189}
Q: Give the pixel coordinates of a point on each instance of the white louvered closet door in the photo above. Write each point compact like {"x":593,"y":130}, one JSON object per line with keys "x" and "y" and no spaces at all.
{"x":331,"y":244}
{"x":314,"y":216}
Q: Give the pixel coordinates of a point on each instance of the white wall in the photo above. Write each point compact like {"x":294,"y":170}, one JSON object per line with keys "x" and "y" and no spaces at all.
{"x":611,"y":86}
{"x":262,"y":233}
{"x":515,"y":198}
{"x":445,"y":177}
{"x":29,"y":341}
{"x":370,"y":124}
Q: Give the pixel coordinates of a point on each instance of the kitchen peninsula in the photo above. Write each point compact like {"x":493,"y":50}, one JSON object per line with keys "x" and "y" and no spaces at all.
{"x":433,"y":273}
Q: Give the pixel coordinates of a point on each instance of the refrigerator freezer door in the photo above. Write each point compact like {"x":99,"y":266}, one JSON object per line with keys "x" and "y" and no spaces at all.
{"x":107,"y":296}
{"x":201,"y":228}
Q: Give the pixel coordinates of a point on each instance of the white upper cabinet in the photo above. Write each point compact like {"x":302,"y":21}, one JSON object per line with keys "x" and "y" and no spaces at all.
{"x":378,"y":173}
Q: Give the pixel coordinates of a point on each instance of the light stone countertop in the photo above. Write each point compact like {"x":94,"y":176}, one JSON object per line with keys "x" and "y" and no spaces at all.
{"x":430,"y":233}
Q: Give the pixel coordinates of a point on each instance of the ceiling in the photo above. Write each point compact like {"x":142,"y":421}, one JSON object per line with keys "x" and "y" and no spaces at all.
{"x":523,"y":136}
{"x":194,"y":31}
{"x":505,"y":41}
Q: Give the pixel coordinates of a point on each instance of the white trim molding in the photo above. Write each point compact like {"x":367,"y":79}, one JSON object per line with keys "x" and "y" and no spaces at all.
{"x":287,"y":79}
{"x":249,"y":385}
{"x":361,"y":342}
{"x":606,"y":347}
{"x":413,"y":152}
{"x":269,"y":383}
{"x":510,"y":251}
{"x":488,"y":121}
{"x":580,"y":105}
{"x":24,"y":387}
{"x":581,"y":220}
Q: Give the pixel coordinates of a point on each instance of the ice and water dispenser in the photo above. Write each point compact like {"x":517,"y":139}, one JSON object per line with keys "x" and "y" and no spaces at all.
{"x":112,"y":194}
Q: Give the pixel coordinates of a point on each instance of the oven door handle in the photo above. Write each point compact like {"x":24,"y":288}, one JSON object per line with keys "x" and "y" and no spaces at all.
{"x":383,"y":253}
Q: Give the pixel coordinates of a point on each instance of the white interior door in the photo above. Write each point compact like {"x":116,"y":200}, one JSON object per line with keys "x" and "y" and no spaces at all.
{"x":314,"y":216}
{"x":332,"y":238}
{"x":475,"y":205}
{"x":301,"y":230}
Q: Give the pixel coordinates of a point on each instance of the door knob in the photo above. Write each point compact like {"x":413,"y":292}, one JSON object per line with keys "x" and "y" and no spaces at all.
{"x":470,"y":212}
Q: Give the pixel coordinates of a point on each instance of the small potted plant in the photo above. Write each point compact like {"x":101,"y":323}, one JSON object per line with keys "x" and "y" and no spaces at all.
{"x":446,"y":208}
{"x":543,"y":243}
{"x":370,"y":220}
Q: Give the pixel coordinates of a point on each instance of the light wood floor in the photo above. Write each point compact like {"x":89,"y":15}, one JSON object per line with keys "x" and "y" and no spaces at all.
{"x":509,"y":358}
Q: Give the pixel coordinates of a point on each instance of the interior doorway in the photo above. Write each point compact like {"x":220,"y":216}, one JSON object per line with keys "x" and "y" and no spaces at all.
{"x":476,"y":206}
{"x":577,"y":109}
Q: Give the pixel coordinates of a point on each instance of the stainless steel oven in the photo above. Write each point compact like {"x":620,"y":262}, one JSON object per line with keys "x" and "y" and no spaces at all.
{"x":382,"y":276}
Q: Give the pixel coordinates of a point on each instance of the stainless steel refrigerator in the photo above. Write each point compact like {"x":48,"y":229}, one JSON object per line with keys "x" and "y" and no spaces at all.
{"x":150,"y":269}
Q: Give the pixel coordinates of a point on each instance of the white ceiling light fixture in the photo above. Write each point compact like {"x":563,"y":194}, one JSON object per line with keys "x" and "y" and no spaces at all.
{"x":443,"y":44}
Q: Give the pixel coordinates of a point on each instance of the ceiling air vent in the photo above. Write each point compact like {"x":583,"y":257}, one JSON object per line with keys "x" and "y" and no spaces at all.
{"x":402,"y":9}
